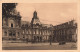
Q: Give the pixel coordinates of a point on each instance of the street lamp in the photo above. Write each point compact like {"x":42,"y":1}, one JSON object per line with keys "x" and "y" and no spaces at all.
{"x":50,"y":37}
{"x":32,"y":34}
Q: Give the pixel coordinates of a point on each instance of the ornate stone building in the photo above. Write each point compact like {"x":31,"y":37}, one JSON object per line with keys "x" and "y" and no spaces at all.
{"x":35,"y":31}
{"x":11,"y":25}
{"x":66,"y":32}
{"x":13,"y":28}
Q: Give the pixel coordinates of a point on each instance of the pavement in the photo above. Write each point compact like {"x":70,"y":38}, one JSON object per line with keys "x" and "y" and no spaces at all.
{"x":38,"y":46}
{"x":26,"y":44}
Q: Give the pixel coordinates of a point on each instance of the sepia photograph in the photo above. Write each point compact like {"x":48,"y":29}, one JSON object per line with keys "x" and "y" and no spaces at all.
{"x":39,"y":26}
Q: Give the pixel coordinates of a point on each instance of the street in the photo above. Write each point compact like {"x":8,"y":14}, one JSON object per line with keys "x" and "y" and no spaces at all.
{"x":38,"y":46}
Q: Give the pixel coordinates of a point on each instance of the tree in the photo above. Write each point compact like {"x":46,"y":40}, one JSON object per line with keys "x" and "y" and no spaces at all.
{"x":7,"y":7}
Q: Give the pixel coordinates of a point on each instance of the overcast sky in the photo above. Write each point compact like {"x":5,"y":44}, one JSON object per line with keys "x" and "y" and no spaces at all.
{"x":48,"y":13}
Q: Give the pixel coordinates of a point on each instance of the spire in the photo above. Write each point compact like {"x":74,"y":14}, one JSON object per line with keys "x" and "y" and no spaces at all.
{"x":35,"y":14}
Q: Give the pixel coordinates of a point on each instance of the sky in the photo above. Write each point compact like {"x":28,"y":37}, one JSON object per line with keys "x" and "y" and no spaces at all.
{"x":48,"y":13}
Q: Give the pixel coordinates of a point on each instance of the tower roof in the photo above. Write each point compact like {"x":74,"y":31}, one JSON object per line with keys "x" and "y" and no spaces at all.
{"x":35,"y":18}
{"x":35,"y":11}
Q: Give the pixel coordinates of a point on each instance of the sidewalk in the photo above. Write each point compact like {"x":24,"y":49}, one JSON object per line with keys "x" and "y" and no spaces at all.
{"x":33,"y":44}
{"x":26,"y":44}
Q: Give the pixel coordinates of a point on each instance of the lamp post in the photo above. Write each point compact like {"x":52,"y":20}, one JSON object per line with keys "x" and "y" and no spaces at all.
{"x":50,"y":40}
{"x":32,"y":33}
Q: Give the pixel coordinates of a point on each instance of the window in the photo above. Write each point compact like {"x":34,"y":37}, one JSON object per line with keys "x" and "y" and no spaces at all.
{"x":18,"y":33}
{"x":11,"y":25}
{"x":14,"y":34}
{"x":5,"y":33}
{"x":33,"y":32}
{"x":37,"y":32}
{"x":10,"y":34}
{"x":23,"y":31}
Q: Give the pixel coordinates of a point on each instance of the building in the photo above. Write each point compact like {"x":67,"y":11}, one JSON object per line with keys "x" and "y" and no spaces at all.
{"x":35,"y":31}
{"x":11,"y":25}
{"x":66,"y":32}
{"x":15,"y":29}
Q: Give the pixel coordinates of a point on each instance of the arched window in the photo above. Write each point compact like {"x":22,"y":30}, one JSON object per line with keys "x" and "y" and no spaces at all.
{"x":11,"y":25}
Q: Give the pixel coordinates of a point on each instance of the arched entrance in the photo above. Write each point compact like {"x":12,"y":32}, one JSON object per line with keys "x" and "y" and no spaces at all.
{"x":37,"y":39}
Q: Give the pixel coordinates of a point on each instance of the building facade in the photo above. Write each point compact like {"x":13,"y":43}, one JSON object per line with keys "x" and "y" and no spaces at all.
{"x":66,"y":32}
{"x":35,"y":31}
{"x":11,"y":25}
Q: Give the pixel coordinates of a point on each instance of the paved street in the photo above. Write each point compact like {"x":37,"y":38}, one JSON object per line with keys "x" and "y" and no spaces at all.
{"x":38,"y":46}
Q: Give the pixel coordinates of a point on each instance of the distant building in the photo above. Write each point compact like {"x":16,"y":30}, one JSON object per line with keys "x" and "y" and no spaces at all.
{"x":66,"y":32}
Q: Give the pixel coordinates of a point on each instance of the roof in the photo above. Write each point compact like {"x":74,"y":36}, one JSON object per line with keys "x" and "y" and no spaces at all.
{"x":25,"y":22}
